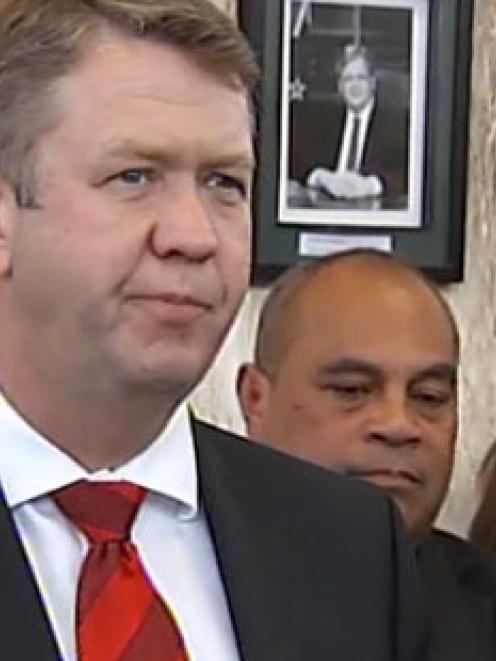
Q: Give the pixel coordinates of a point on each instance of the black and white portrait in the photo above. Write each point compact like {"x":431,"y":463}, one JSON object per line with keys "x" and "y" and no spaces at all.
{"x":352,"y":112}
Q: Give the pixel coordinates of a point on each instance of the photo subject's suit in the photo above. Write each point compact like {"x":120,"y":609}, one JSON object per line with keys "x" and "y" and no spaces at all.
{"x":316,"y":134}
{"x":314,"y":565}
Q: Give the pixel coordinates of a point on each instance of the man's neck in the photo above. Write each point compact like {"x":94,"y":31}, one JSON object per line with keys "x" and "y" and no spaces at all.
{"x":363,"y":111}
{"x":97,"y":434}
{"x":99,"y":424}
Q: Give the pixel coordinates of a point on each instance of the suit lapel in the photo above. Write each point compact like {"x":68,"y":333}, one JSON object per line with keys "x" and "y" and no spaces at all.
{"x":257,"y":599}
{"x":370,"y":144}
{"x":24,"y":628}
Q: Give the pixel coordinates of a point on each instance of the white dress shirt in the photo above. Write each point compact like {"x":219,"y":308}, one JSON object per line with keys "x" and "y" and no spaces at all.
{"x":364,"y":120}
{"x":170,"y":531}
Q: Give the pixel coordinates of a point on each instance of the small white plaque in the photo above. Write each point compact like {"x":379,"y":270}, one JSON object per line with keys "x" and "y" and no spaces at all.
{"x":318,"y":245}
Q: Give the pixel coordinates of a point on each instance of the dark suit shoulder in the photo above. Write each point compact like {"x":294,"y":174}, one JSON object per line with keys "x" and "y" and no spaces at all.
{"x":278,"y":522}
{"x":471,"y":565}
{"x":459,"y":580}
{"x":294,"y":477}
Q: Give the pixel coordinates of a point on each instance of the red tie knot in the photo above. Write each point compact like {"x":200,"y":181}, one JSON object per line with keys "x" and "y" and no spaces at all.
{"x":103,"y":511}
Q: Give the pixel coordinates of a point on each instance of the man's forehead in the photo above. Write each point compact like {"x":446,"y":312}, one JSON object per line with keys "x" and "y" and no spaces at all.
{"x":150,"y":68}
{"x":343,"y":293}
{"x":391,"y":366}
{"x":147,"y":106}
{"x":351,"y":279}
{"x":357,"y":62}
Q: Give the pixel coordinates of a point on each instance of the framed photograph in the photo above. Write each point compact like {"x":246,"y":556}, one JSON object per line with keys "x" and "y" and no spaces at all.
{"x":362,"y":133}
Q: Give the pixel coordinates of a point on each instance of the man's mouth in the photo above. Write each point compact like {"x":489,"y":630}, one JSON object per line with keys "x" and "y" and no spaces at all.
{"x":174,"y":307}
{"x":388,"y":477}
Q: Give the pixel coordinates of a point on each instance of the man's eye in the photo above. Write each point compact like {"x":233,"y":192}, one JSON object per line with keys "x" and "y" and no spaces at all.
{"x":233,"y":187}
{"x":432,"y":398}
{"x":349,"y":391}
{"x":360,"y":78}
{"x":132,"y":177}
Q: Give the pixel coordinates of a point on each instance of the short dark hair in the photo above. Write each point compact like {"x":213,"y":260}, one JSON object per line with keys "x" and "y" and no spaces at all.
{"x":269,"y":344}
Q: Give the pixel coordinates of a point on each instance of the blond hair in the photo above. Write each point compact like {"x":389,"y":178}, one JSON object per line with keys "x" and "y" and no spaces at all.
{"x":42,"y":40}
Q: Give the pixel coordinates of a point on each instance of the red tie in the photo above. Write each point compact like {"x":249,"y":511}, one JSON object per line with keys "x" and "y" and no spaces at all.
{"x":119,"y":616}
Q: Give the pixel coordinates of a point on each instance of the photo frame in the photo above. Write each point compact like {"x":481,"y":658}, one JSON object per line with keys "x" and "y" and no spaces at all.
{"x":415,"y":55}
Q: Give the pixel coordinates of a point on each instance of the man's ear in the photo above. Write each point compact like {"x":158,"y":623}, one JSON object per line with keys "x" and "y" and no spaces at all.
{"x":8,"y":214}
{"x":253,"y":388}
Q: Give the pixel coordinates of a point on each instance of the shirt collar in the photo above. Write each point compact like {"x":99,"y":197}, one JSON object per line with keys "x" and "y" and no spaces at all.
{"x":31,"y":466}
{"x":365,"y":112}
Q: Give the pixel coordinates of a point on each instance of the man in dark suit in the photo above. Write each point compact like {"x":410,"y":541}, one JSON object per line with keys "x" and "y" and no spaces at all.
{"x":357,"y":147}
{"x":356,"y":369}
{"x":129,"y":531}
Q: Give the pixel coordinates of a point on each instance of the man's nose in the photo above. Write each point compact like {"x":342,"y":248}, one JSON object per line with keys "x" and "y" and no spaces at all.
{"x":184,"y":225}
{"x":394,"y":422}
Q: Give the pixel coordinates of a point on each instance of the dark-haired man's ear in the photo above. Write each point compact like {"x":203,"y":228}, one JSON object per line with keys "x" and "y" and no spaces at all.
{"x":253,"y":388}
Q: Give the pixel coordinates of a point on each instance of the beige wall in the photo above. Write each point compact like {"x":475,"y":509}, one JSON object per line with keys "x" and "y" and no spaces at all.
{"x":473,"y":301}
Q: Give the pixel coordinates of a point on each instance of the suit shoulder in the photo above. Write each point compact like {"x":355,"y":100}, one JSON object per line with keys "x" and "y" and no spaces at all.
{"x":471,"y":564}
{"x":456,"y":546}
{"x":287,"y":478}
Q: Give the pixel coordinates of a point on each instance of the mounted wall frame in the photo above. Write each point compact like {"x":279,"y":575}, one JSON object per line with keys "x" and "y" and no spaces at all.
{"x":406,"y":189}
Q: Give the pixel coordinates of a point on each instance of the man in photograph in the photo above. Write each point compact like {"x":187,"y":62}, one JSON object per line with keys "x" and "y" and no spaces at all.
{"x":357,"y":148}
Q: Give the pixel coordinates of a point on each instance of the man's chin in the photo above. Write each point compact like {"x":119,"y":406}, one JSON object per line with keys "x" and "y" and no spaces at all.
{"x":172,"y":375}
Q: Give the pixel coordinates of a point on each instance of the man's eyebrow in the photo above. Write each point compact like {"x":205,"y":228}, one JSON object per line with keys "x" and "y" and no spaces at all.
{"x":344,"y":365}
{"x":235,"y":159}
{"x":120,"y":148}
{"x":137,"y":149}
{"x":442,"y":371}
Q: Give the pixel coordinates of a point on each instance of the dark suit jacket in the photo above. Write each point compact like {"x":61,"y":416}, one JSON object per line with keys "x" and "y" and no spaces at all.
{"x":316,"y":133}
{"x":460,"y":581}
{"x":314,"y":565}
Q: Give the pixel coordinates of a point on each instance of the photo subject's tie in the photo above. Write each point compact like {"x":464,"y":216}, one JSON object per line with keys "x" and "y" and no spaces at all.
{"x":352,"y":162}
{"x":119,"y":615}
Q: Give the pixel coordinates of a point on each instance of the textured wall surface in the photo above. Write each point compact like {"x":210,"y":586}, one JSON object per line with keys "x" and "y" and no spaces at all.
{"x":473,"y":301}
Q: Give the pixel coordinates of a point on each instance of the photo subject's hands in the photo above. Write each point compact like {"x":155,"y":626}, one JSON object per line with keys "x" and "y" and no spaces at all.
{"x":345,"y":185}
